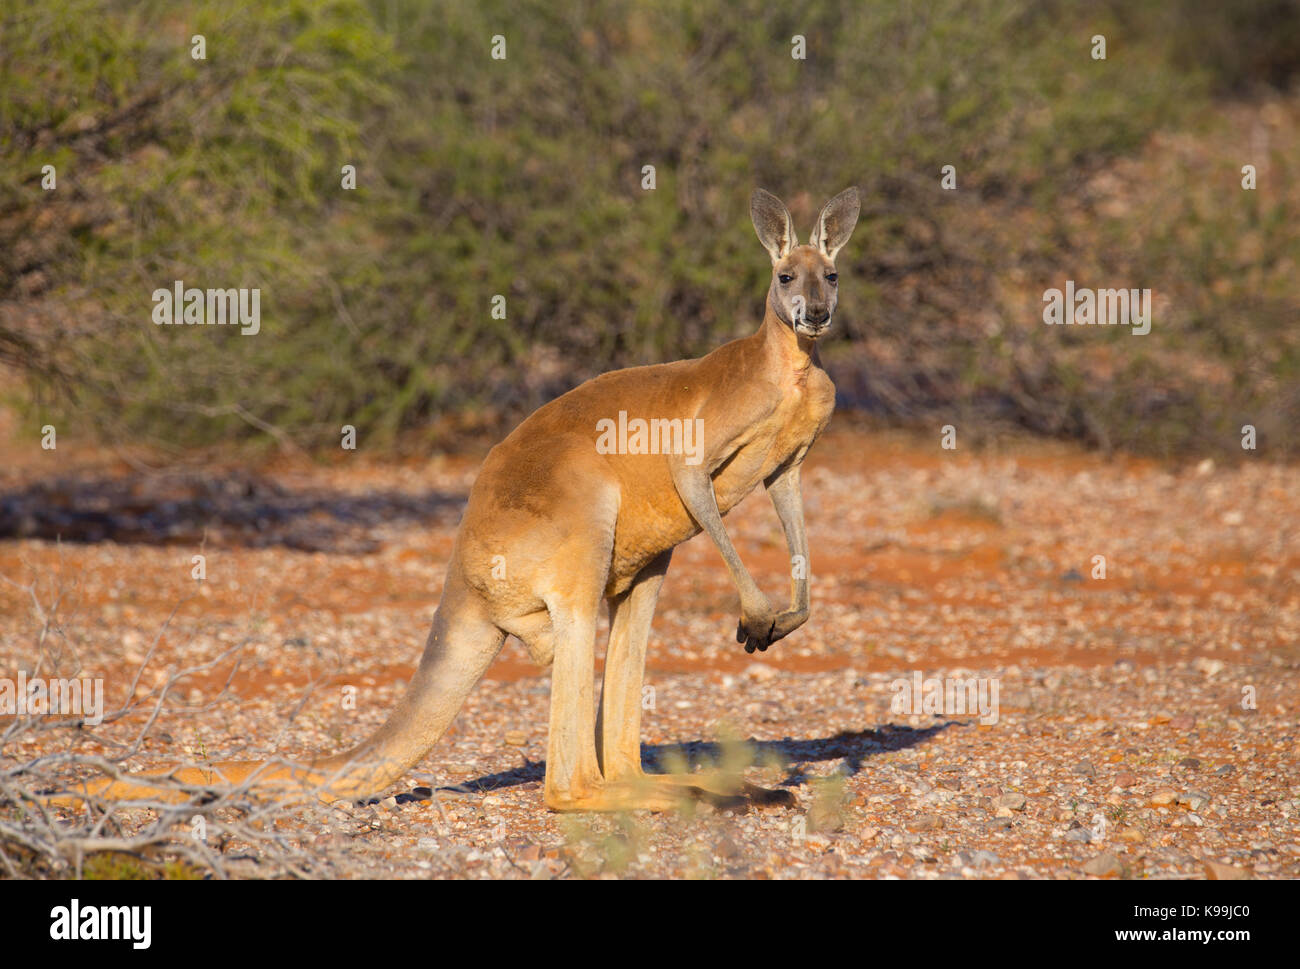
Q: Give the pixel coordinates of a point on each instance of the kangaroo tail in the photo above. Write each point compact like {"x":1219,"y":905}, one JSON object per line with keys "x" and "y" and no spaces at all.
{"x":460,"y":648}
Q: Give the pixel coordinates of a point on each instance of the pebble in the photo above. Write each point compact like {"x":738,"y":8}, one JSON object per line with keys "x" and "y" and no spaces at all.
{"x":1012,"y":801}
{"x":1163,"y":797}
{"x":1085,"y":768}
{"x":1218,"y":872}
{"x":1125,"y":779}
{"x":1079,"y":835}
{"x":823,"y":817}
{"x":516,"y":738}
{"x":1103,"y":865}
{"x":728,"y":849}
{"x":926,"y":822}
{"x":1208,"y":666}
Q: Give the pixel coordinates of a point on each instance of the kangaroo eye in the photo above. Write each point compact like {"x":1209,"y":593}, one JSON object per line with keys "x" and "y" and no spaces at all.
{"x":831,"y":277}
{"x":785,"y":278}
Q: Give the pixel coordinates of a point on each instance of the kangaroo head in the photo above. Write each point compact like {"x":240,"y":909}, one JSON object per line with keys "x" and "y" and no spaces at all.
{"x":803,"y":290}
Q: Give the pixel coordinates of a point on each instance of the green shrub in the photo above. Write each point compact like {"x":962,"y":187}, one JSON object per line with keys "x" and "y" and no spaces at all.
{"x":522,"y":178}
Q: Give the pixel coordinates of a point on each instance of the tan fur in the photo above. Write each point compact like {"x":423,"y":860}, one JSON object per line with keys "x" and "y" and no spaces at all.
{"x":574,"y":527}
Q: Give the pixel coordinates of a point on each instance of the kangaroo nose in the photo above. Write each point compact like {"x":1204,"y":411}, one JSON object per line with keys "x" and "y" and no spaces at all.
{"x":818,"y":314}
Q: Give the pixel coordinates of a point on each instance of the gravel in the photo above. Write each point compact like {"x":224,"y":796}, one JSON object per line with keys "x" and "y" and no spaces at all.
{"x":1162,"y":699}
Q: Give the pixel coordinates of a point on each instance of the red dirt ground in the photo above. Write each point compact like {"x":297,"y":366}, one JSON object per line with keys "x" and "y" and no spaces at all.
{"x":922,"y":559}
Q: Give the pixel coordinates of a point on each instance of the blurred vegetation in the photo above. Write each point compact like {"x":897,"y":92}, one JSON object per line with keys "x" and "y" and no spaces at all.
{"x":522,"y":177}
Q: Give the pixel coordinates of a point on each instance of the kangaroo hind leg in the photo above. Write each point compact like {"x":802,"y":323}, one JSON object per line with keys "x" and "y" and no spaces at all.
{"x":574,"y":779}
{"x":618,"y":725}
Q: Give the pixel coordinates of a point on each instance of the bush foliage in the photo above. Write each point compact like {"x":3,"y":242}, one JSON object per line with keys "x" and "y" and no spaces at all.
{"x":522,"y":177}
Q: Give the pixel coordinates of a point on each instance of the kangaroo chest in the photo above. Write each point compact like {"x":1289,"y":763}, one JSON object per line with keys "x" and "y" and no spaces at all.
{"x":784,"y":436}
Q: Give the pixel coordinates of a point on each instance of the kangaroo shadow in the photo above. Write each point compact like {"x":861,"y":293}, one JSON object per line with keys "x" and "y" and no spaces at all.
{"x":222,"y":509}
{"x":794,"y":755}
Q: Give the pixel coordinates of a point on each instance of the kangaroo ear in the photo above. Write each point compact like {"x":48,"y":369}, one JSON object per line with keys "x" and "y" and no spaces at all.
{"x":772,"y":223}
{"x":836,"y":222}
